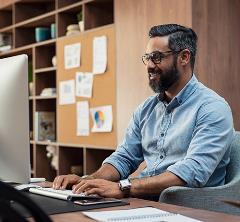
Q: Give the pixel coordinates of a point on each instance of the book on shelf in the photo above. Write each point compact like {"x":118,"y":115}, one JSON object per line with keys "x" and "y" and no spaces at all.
{"x":45,"y":126}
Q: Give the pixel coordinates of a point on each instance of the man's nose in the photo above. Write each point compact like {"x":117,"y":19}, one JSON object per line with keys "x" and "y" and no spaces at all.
{"x":151,"y":64}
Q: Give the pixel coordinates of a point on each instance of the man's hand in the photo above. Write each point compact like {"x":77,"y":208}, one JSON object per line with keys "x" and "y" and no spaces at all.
{"x":61,"y":182}
{"x":101,"y":187}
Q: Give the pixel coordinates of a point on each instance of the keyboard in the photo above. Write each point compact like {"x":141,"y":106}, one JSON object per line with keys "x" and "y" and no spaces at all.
{"x":62,"y":194}
{"x":25,"y":187}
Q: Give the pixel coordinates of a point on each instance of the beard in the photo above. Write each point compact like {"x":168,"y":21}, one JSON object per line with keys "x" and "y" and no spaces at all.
{"x":165,"y":79}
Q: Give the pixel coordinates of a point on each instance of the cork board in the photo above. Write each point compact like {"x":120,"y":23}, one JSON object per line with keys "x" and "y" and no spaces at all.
{"x":104,"y":90}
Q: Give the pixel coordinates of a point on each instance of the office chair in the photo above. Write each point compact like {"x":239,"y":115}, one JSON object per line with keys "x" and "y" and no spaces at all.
{"x":210,"y":198}
{"x":9,"y":213}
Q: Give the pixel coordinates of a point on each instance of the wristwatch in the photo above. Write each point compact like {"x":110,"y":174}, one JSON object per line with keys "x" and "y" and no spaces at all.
{"x":125,"y":186}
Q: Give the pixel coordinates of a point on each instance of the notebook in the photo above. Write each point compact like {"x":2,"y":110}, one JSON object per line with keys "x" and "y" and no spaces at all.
{"x":144,"y":214}
{"x":61,"y":194}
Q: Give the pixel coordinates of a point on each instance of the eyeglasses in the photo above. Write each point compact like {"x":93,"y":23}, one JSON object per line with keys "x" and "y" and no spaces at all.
{"x":156,"y":57}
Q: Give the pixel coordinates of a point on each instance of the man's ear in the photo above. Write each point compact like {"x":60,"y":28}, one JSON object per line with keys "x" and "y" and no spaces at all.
{"x":185,"y":56}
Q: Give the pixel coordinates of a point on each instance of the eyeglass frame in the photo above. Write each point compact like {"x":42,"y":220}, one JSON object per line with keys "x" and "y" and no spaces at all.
{"x":160,"y":57}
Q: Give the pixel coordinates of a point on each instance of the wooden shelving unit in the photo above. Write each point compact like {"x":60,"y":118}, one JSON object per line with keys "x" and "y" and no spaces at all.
{"x":19,"y":19}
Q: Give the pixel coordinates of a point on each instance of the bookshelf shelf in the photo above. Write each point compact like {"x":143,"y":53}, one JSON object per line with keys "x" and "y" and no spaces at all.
{"x":64,"y":3}
{"x":94,"y":11}
{"x":67,"y":17}
{"x":27,"y":48}
{"x":46,"y":143}
{"x":47,"y":69}
{"x":71,"y":7}
{"x":70,"y":157}
{"x":6,"y":17}
{"x":47,"y":42}
{"x":49,"y":51}
{"x":8,"y":29}
{"x":94,"y":158}
{"x":25,"y":9}
{"x":44,"y":97}
{"x":42,"y":164}
{"x":42,"y":20}
{"x":22,"y":50}
{"x":79,"y":145}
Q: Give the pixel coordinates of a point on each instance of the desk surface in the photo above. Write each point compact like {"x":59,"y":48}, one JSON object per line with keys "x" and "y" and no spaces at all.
{"x":206,"y":216}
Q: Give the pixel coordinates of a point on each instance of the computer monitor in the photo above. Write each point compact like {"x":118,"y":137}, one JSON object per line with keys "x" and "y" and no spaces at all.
{"x":14,"y":120}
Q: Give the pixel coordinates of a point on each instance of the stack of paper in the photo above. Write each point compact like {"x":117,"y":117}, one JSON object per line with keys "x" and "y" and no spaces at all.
{"x":145,"y":214}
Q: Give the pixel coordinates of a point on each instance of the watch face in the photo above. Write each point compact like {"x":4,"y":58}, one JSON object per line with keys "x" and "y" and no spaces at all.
{"x":125,"y":184}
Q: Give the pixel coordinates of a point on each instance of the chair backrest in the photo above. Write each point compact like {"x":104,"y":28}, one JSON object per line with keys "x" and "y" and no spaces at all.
{"x":9,"y":213}
{"x":233,"y":168}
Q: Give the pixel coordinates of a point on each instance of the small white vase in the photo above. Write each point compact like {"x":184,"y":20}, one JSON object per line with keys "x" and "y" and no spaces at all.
{"x":81,"y":26}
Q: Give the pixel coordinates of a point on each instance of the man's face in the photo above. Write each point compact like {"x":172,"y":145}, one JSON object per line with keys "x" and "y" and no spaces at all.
{"x":161,"y":67}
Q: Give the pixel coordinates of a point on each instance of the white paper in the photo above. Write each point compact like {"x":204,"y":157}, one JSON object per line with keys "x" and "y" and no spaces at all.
{"x":83,"y":118}
{"x":72,"y":55}
{"x":99,"y":54}
{"x":66,"y":92}
{"x":102,"y":119}
{"x":143,"y":214}
{"x":84,"y":84}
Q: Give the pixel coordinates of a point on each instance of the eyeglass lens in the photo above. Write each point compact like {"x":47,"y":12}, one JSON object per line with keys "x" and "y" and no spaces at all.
{"x":155,"y":57}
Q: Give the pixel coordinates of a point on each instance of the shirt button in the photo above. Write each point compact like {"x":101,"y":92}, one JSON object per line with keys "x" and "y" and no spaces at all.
{"x":161,"y":156}
{"x":162,"y":134}
{"x":180,"y":101}
{"x":169,"y":111}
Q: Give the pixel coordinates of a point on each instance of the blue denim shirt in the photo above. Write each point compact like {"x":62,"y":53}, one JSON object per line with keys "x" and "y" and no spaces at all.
{"x":190,"y":137}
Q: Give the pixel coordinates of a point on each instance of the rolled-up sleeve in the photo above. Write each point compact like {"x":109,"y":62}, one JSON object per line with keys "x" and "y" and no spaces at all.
{"x":211,"y":139}
{"x":128,"y":155}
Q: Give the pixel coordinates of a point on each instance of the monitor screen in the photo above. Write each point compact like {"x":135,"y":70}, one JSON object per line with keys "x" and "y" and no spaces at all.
{"x":14,"y":120}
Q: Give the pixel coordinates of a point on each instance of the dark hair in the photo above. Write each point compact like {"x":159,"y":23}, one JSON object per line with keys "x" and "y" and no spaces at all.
{"x":180,"y":38}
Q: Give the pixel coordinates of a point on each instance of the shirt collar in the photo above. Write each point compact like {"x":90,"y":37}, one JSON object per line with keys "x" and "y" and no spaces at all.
{"x":182,"y":96}
{"x":187,"y":90}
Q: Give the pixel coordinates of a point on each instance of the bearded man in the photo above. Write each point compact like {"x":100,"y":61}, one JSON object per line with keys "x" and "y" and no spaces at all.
{"x":183,"y":132}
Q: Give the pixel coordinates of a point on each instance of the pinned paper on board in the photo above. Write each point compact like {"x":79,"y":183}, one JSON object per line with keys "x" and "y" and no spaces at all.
{"x":82,"y":118}
{"x":102,"y":119}
{"x":72,"y":55}
{"x":99,"y":54}
{"x":67,"y":92}
{"x":84,"y":84}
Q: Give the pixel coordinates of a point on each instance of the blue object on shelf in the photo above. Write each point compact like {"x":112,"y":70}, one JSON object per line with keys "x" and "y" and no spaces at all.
{"x":42,"y":34}
{"x":53,"y":31}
